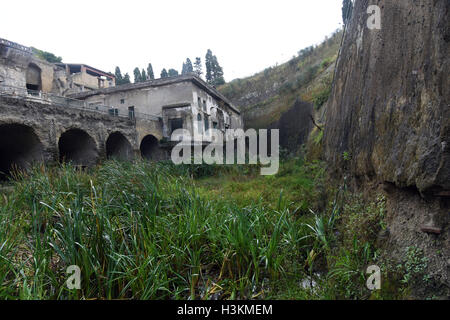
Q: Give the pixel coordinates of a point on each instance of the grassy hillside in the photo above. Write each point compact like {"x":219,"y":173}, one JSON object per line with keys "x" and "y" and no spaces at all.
{"x":264,"y":97}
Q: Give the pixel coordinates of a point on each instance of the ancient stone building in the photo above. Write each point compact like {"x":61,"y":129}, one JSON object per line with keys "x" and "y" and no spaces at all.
{"x":67,"y":112}
{"x":80,"y":78}
{"x":20,"y":68}
{"x":185,"y":102}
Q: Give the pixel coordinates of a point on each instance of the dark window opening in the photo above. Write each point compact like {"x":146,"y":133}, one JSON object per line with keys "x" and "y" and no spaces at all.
{"x":33,"y":89}
{"x":131,"y":113}
{"x":114,"y":112}
{"x":74,"y":69}
{"x":176,"y":124}
{"x":33,"y":79}
{"x":206,"y":124}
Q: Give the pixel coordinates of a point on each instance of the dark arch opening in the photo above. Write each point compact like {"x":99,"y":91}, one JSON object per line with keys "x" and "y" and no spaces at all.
{"x":77,"y":147}
{"x":19,"y":148}
{"x":33,"y":78}
{"x":150,"y":149}
{"x":118,"y":147}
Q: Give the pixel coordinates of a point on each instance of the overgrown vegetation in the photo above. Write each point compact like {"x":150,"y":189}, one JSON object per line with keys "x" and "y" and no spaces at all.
{"x":47,"y":56}
{"x":159,"y":231}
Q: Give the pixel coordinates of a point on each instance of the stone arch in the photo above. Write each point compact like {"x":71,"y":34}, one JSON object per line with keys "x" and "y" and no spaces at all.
{"x":20,"y":147}
{"x":118,"y":147}
{"x":33,"y":78}
{"x":150,"y":148}
{"x":77,"y":147}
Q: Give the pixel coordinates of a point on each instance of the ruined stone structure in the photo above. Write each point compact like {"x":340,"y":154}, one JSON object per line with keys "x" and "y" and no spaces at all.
{"x":19,"y":67}
{"x":52,"y":112}
{"x":35,"y":130}
{"x":184,"y":102}
{"x":80,"y":78}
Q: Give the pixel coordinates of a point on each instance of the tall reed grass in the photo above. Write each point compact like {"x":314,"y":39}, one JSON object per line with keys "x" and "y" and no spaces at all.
{"x":140,"y":231}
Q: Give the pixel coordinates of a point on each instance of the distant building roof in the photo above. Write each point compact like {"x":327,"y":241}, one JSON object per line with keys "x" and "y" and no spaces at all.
{"x":157,"y":83}
{"x":95,"y":70}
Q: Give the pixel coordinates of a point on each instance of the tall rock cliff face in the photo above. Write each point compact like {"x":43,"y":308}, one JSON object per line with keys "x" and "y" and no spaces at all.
{"x":390,"y":104}
{"x":389,"y":110}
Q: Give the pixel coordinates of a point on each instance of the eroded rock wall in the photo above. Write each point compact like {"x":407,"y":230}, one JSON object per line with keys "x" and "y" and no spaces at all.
{"x":389,"y":114}
{"x":390,"y":104}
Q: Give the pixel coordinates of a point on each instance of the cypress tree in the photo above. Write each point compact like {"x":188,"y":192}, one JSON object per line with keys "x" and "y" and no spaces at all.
{"x":119,"y":78}
{"x":187,"y":67}
{"x":126,"y":78}
{"x":209,"y":66}
{"x":214,"y":72}
{"x":150,"y":73}
{"x":173,"y":73}
{"x":217,"y":73}
{"x":137,"y":75}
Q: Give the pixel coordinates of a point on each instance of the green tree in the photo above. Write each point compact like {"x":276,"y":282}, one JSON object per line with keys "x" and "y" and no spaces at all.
{"x":137,"y":75}
{"x":126,"y":78}
{"x":198,"y":67}
{"x":164,"y":73}
{"x":150,"y":73}
{"x":218,"y":73}
{"x":187,"y":67}
{"x":47,"y":56}
{"x":143,"y":76}
{"x":119,"y":78}
{"x":173,"y":73}
{"x":214,"y":72}
{"x":209,"y":66}
{"x":347,"y":9}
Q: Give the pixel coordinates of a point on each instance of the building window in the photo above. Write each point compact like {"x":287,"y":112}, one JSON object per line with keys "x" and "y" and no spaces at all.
{"x":114,"y":112}
{"x":199,"y":123}
{"x":215,"y":124}
{"x":122,"y":101}
{"x":204,"y":105}
{"x":176,"y":124}
{"x":131,"y":113}
{"x":199,"y":101}
{"x":206,"y":124}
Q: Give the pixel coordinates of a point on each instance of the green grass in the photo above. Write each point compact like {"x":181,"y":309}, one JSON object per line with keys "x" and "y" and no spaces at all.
{"x":159,"y":231}
{"x":140,"y":231}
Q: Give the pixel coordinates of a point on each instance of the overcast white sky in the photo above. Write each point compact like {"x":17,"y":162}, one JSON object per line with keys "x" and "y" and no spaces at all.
{"x":246,"y":35}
